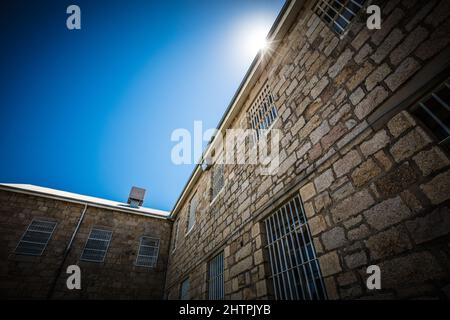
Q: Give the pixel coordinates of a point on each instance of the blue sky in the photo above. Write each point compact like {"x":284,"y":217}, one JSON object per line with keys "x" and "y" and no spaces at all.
{"x":91,"y":111}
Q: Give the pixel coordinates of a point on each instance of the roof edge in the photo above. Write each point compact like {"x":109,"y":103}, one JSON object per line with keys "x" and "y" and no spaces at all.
{"x":7,"y":187}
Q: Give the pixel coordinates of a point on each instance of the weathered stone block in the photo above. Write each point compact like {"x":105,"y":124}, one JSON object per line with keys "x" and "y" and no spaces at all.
{"x":372,"y":100}
{"x":307,"y":191}
{"x":432,"y":160}
{"x":438,"y":189}
{"x":356,"y":260}
{"x":334,"y":238}
{"x":324,"y":180}
{"x":377,"y":142}
{"x":396,"y":180}
{"x":352,"y":205}
{"x":387,"y":243}
{"x":406,"y":69}
{"x":329,"y":264}
{"x":377,"y":76}
{"x":387,"y":213}
{"x":365,"y":172}
{"x":400,"y":123}
{"x":346,"y":163}
{"x":317,"y":224}
{"x":431,"y":226}
{"x":415,"y":268}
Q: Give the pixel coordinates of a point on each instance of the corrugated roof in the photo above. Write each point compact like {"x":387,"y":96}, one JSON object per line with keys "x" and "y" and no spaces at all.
{"x":79,"y":198}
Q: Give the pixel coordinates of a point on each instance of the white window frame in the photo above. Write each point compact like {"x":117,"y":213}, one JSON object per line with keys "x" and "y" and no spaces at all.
{"x":89,"y":238}
{"x":156,"y":256}
{"x":193,"y":213}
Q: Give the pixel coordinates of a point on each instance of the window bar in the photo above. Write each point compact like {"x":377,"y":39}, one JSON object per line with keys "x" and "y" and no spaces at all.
{"x":285,"y":272}
{"x":272,"y":268}
{"x":442,"y":102}
{"x":333,"y":21}
{"x":432,"y":115}
{"x":301,"y":253}
{"x":285,"y":244}
{"x":277,"y":261}
{"x":306,"y":250}
{"x":282,"y":257}
{"x":294,"y":243}
{"x":314,"y":255}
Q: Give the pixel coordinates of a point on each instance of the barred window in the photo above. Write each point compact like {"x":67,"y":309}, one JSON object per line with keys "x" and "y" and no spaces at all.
{"x":215,"y":278}
{"x":434,"y":111}
{"x":192,"y":212}
{"x":36,"y":237}
{"x":338,"y":14}
{"x":217,"y":179}
{"x":263,"y":111}
{"x":96,"y":245}
{"x":184,"y":290}
{"x":175,"y":234}
{"x":295,"y":271}
{"x":147,"y":252}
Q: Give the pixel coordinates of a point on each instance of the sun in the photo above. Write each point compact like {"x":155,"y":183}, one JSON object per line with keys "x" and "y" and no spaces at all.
{"x":250,"y":36}
{"x":255,"y":39}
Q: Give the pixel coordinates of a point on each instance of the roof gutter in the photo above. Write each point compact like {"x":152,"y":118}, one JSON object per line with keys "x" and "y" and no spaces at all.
{"x":279,"y":28}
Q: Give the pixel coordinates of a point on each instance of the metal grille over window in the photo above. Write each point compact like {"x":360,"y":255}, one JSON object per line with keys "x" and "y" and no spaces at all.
{"x":217,"y":179}
{"x":338,"y":14}
{"x":96,"y":245}
{"x":148,"y":252}
{"x":434,"y":112}
{"x":35,"y":239}
{"x":295,"y":270}
{"x":184,"y":290}
{"x":192,"y":212}
{"x":215,"y":278}
{"x":263,"y":111}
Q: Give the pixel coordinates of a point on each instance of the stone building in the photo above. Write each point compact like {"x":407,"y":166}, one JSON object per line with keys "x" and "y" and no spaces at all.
{"x":122,"y":251}
{"x":364,"y":173}
{"x":363,"y":176}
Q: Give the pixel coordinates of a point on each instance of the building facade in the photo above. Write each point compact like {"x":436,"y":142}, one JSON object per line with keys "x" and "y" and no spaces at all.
{"x":121,"y":252}
{"x":363,"y":178}
{"x":364,"y":165}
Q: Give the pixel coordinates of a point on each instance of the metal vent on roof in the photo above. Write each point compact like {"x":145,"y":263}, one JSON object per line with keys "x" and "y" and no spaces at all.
{"x":136,"y":197}
{"x":148,"y":252}
{"x":36,"y":237}
{"x":96,"y":245}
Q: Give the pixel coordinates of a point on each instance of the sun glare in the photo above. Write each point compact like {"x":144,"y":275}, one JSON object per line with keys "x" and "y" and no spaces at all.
{"x":250,"y":36}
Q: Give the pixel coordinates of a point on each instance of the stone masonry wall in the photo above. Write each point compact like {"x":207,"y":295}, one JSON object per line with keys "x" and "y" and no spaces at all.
{"x":117,"y":277}
{"x":372,"y":196}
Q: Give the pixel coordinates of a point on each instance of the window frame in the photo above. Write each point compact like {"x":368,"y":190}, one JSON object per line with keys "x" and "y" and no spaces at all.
{"x":141,"y":255}
{"x":214,"y":197}
{"x":419,"y":106}
{"x":181,"y":297}
{"x":288,"y":225}
{"x":189,"y":227}
{"x":220,"y":275}
{"x":21,"y":240}
{"x":328,"y":5}
{"x":107,"y":247}
{"x":264,"y":99}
